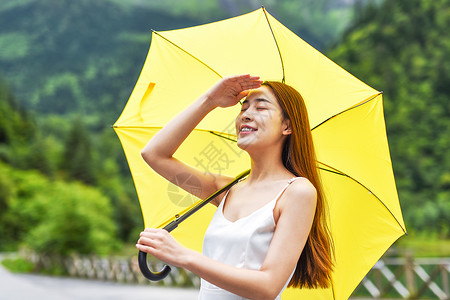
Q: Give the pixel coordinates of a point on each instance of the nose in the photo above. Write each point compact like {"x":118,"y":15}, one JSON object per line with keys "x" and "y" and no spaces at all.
{"x":247,"y":115}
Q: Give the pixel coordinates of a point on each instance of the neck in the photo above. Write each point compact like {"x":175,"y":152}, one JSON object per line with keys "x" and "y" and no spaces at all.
{"x":267,"y":165}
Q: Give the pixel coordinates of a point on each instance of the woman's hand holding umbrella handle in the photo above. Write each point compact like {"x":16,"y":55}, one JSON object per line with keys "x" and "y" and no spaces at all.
{"x":230,"y":90}
{"x":160,"y":244}
{"x":148,"y":239}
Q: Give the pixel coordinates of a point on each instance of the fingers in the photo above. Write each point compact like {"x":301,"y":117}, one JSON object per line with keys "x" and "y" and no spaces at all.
{"x":153,"y":230}
{"x":160,"y":244}
{"x":152,"y":237}
{"x":230,"y":90}
{"x":244,"y":77}
{"x":242,"y":95}
{"x":246,"y":81}
{"x":154,"y":233}
{"x":145,"y":249}
{"x":252,"y":82}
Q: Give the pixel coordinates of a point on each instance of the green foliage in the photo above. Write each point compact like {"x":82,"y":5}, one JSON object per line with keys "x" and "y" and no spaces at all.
{"x":403,"y":47}
{"x":14,"y":46}
{"x":66,"y":150}
{"x":21,"y":212}
{"x":8,"y":4}
{"x":64,"y":57}
{"x":127,"y":213}
{"x":21,"y":144}
{"x":77,"y":158}
{"x":18,"y":134}
{"x":18,"y":265}
{"x":71,"y":56}
{"x":13,"y":120}
{"x":319,"y":22}
{"x":203,"y":10}
{"x":423,"y":244}
{"x":73,"y":64}
{"x":78,"y":219}
{"x":54,"y":217}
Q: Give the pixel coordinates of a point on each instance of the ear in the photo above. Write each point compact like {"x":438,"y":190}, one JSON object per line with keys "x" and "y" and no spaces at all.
{"x":286,"y":127}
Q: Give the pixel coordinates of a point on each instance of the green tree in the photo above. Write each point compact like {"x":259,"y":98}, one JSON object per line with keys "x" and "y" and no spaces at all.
{"x":78,"y":160}
{"x":21,"y":143}
{"x":20,"y":212}
{"x":7,"y":236}
{"x":53,"y":217}
{"x":402,"y":47}
{"x":78,"y":219}
{"x":16,"y":128}
{"x":116,"y":183}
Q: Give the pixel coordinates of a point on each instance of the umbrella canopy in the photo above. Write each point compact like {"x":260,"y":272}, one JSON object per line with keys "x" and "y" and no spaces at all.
{"x":346,"y":117}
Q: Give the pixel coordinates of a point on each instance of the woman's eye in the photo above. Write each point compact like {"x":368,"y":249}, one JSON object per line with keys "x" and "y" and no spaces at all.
{"x":261,"y":108}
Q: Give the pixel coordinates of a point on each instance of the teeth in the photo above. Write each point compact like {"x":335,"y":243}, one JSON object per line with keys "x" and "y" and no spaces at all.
{"x":247,"y":129}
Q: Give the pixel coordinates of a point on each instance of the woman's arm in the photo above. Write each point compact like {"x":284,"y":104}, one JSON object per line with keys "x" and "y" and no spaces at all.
{"x":295,"y":214}
{"x":158,"y":153}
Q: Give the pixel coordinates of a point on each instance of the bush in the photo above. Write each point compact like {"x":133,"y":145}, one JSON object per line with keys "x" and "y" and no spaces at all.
{"x":55,"y":217}
{"x":78,"y":220}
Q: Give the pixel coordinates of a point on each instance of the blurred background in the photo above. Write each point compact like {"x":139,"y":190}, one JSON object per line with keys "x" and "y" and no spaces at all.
{"x":67,"y":68}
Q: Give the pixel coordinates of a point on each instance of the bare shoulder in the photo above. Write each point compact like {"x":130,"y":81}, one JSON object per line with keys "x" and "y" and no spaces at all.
{"x":299,"y":193}
{"x":297,"y":203}
{"x":301,"y":188}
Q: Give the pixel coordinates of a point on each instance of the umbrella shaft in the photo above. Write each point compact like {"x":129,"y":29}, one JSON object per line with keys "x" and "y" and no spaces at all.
{"x":178,"y":219}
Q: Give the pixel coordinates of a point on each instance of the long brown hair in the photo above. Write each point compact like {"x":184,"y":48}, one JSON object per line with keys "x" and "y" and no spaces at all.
{"x":315,"y":265}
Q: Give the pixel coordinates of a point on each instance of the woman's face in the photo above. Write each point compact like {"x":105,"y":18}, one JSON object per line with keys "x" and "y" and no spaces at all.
{"x":260,"y":122}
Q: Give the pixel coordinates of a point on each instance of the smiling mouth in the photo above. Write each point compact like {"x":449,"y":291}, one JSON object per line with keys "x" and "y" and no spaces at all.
{"x":247,"y":130}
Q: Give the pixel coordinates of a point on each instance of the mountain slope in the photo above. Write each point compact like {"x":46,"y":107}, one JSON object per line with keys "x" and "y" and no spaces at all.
{"x":84,"y":56}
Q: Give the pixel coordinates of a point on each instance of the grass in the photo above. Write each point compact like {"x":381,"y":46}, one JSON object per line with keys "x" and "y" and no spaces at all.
{"x":18,"y":265}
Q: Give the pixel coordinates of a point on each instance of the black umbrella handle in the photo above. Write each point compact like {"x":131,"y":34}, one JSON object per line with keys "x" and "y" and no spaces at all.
{"x":153,"y":276}
{"x":142,"y":258}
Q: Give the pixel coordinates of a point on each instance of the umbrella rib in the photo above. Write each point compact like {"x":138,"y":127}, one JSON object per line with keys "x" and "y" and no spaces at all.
{"x":354,"y":106}
{"x":276,"y":43}
{"x":336,"y":171}
{"x":194,"y":57}
{"x":330,"y":169}
{"x":135,"y":126}
{"x":219,"y":134}
{"x":222,"y":136}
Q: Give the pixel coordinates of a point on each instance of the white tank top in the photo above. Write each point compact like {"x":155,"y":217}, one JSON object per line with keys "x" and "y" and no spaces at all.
{"x":243,"y":243}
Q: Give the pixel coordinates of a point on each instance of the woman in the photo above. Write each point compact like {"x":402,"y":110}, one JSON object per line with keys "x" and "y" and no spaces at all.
{"x":269,"y":230}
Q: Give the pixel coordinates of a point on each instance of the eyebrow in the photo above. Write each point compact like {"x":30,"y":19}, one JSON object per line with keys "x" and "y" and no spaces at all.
{"x":258,"y":100}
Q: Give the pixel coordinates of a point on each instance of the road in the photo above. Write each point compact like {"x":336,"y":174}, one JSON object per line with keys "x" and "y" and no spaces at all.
{"x":29,"y":286}
{"x":39,"y":287}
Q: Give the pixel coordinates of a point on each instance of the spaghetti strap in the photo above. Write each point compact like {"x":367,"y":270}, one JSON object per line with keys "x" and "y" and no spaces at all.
{"x":274,"y":201}
{"x":285,"y":187}
{"x":293,"y":179}
{"x":242,"y":243}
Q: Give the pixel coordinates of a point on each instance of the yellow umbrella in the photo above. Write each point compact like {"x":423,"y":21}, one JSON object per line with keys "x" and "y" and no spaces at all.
{"x":346,"y":118}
